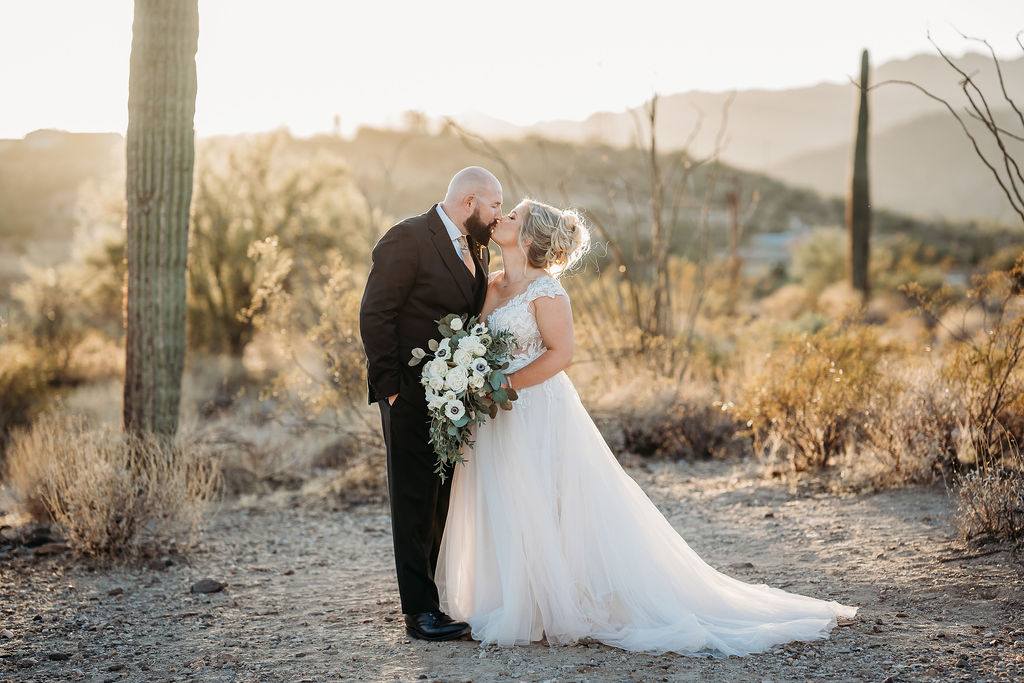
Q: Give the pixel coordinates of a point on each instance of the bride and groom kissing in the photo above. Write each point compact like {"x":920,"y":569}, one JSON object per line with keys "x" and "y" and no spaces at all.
{"x":540,"y":534}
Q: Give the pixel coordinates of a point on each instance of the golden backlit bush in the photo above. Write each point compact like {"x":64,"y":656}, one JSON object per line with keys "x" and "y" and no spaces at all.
{"x":24,"y":391}
{"x":112,"y":496}
{"x":813,"y":395}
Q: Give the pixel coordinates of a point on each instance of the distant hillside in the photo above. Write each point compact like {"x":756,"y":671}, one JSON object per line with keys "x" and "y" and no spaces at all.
{"x":769,"y":130}
{"x":926,"y":167}
{"x":40,"y":176}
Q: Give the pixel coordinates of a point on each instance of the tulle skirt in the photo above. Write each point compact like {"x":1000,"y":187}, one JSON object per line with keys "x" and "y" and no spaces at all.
{"x":548,"y":538}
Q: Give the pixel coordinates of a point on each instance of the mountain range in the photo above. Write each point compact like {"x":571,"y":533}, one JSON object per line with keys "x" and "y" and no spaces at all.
{"x":921,"y":162}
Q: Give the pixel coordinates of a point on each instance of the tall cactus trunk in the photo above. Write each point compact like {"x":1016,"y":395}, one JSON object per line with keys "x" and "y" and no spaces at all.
{"x":161,"y":152}
{"x":858,"y":205}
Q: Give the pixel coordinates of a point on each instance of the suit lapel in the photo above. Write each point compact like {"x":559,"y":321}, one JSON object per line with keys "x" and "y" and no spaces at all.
{"x":445,"y":249}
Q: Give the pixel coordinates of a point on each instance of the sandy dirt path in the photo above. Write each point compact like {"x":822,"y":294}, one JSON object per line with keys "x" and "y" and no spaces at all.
{"x":310,"y":595}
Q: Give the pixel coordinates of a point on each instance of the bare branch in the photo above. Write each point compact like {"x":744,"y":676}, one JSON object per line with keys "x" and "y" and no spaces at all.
{"x":481,"y":145}
{"x":1012,"y":195}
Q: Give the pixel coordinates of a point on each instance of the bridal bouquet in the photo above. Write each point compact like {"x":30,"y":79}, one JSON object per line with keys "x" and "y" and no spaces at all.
{"x":463,"y":383}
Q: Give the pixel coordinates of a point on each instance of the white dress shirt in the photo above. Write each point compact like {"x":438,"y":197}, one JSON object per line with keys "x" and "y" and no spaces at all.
{"x":453,"y":230}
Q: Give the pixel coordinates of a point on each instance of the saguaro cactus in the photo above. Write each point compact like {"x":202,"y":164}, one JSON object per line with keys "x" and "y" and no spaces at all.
{"x":161,"y":153}
{"x":858,"y":204}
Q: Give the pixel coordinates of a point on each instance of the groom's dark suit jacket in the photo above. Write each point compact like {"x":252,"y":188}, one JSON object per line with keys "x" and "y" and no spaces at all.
{"x":416,"y":278}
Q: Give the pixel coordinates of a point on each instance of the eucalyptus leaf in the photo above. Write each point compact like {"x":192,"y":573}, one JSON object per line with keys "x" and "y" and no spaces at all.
{"x":499,"y":396}
{"x":432,"y":345}
{"x":512,"y":394}
{"x":495,"y":379}
{"x":507,"y":405}
{"x":494,"y":410}
{"x":444,"y":329}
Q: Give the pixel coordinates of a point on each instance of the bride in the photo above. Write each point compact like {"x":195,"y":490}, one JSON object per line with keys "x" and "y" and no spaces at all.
{"x":547,"y":536}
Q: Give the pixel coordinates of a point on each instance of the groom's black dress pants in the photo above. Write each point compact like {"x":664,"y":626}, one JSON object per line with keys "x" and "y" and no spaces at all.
{"x":419,"y":502}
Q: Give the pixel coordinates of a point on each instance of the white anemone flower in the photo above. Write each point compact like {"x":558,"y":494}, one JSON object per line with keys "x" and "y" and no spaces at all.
{"x":454,"y":410}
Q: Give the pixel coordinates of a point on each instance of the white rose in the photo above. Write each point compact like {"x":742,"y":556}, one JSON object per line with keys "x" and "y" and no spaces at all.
{"x":479,"y":350}
{"x":481,"y":367}
{"x":436,"y":403}
{"x":456,"y":379}
{"x":435,"y":368}
{"x":455,"y":324}
{"x":469,"y":341}
{"x":449,"y":396}
{"x":462,"y":357}
{"x":454,"y":410}
{"x":476,"y":382}
{"x":437,"y":383}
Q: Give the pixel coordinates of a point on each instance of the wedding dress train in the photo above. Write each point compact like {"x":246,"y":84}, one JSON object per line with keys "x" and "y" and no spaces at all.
{"x":548,"y":537}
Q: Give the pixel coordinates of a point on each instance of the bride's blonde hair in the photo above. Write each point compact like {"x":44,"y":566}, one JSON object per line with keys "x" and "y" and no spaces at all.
{"x":557,"y":239}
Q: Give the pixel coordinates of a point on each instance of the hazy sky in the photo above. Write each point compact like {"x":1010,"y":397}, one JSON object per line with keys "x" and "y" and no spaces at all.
{"x":297,"y":63}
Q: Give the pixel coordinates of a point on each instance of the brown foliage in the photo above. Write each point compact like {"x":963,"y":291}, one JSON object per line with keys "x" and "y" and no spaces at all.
{"x":113,"y":496}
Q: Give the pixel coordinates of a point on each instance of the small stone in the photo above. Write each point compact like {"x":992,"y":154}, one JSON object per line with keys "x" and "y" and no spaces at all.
{"x":769,"y":515}
{"x":58,"y":656}
{"x":115,"y":592}
{"x":7,"y":633}
{"x":50,"y":549}
{"x":207,"y":586}
{"x":115,"y":667}
{"x":902,"y":615}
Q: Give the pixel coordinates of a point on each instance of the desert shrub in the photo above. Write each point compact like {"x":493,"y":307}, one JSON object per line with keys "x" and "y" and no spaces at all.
{"x":23,"y":391}
{"x":321,"y":367}
{"x":819,"y":259}
{"x":990,"y":501}
{"x":985,"y":360}
{"x":690,"y":427}
{"x":814,"y":393}
{"x":912,"y":433}
{"x":112,"y":496}
{"x":250,"y":190}
{"x":50,"y":318}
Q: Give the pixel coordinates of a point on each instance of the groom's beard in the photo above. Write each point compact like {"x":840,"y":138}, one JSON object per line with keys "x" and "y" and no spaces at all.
{"x":478,"y":230}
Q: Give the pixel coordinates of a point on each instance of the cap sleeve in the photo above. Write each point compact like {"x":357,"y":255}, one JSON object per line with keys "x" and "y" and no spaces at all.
{"x":545,"y":285}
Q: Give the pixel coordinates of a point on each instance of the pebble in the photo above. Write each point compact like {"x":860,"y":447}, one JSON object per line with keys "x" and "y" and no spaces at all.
{"x":7,"y":633}
{"x":207,"y":586}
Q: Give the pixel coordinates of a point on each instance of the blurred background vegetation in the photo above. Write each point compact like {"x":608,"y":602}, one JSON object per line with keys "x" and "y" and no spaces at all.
{"x":762,"y":352}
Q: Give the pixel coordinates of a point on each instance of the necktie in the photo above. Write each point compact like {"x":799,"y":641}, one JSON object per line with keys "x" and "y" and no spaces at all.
{"x":466,"y":257}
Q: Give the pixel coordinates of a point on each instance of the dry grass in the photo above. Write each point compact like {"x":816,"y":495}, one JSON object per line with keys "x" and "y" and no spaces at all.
{"x":990,"y":501}
{"x":112,"y":496}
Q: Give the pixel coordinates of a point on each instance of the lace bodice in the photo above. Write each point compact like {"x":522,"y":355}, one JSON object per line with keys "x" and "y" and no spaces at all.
{"x":516,"y":316}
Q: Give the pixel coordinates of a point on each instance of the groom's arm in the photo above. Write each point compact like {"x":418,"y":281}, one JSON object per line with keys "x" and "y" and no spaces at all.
{"x":391,"y":278}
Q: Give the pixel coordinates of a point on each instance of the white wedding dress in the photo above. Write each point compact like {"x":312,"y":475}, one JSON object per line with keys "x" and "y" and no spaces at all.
{"x":548,"y":537}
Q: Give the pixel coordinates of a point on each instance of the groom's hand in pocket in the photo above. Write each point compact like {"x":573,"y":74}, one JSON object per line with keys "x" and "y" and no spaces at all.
{"x":391,"y":399}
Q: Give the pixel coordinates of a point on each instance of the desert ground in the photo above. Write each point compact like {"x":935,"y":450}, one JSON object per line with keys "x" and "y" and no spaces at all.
{"x":308,"y":594}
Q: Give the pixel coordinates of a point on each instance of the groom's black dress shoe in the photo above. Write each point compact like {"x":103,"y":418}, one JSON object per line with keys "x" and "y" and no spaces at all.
{"x":434,"y":626}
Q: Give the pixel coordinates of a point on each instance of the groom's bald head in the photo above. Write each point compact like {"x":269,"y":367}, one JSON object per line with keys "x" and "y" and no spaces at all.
{"x":472,"y":180}
{"x":473,"y":202}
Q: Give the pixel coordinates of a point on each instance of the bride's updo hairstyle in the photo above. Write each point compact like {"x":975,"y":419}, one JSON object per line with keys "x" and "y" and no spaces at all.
{"x":557,"y":239}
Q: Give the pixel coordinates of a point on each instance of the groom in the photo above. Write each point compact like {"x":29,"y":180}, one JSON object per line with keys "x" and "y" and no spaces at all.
{"x":423,"y":269}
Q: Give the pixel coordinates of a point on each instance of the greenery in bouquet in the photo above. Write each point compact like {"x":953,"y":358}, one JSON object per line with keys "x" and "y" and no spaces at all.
{"x":463,"y":383}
